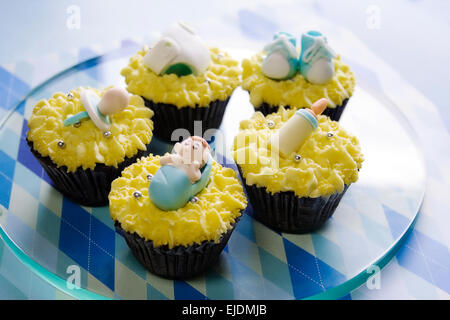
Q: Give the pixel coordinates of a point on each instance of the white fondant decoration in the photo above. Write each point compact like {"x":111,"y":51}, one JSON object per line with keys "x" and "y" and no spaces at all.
{"x":317,"y":61}
{"x":275,"y":66}
{"x":179,"y":44}
{"x":290,"y":137}
{"x":280,"y":62}
{"x":114,"y":100}
{"x":89,"y":99}
{"x":161,"y":55}
{"x":320,"y":72}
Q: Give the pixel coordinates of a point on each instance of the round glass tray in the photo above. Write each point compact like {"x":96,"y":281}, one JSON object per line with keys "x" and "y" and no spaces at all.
{"x":77,"y":250}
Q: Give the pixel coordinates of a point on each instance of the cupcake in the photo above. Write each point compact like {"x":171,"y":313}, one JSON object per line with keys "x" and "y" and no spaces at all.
{"x":177,"y":212}
{"x":281,"y":76}
{"x":185,"y":83}
{"x":85,"y":138}
{"x":296,"y":166}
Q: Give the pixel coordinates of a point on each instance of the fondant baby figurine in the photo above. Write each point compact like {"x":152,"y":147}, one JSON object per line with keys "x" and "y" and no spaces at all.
{"x":190,"y":155}
{"x":183,"y":174}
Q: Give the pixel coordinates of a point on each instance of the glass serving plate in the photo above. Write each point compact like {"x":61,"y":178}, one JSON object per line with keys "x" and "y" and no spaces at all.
{"x":60,"y":240}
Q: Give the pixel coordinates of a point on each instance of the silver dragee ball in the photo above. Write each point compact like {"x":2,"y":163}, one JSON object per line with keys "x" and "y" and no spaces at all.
{"x":114,"y":100}
{"x":194,"y":200}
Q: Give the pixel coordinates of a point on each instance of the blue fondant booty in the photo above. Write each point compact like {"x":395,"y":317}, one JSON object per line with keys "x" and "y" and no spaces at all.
{"x":316,"y":58}
{"x":281,"y":60}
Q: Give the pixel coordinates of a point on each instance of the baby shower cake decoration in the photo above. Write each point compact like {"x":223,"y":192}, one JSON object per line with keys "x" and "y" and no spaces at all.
{"x":180,"y":51}
{"x":184,"y":81}
{"x":295,"y":74}
{"x":296,"y":166}
{"x":182,"y":175}
{"x":291,"y":136}
{"x":114,"y":100}
{"x":84,"y":139}
{"x":177,"y":211}
{"x":281,"y":60}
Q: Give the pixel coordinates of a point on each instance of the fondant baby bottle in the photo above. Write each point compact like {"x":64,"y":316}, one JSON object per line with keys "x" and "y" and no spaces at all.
{"x":291,"y":136}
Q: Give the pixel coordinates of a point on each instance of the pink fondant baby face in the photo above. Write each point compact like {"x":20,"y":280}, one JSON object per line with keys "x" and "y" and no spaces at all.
{"x":193,"y":150}
{"x":190,"y":156}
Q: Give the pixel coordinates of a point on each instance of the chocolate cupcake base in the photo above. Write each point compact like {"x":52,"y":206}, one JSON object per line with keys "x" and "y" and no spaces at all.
{"x":85,"y":187}
{"x":332,"y":113}
{"x":286,"y":212}
{"x":168,"y":118}
{"x":180,"y":262}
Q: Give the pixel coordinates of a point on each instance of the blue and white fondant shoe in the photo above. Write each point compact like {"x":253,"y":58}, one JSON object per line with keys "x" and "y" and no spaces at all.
{"x":316,"y":58}
{"x":281,"y":60}
{"x":183,"y":173}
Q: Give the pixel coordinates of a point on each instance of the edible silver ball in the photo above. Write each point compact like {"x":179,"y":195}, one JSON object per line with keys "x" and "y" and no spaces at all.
{"x":329,"y":134}
{"x":270,"y":124}
{"x":107,"y":134}
{"x":194,"y":200}
{"x":61,"y":144}
{"x":70,"y":95}
{"x":149,"y":176}
{"x":297,"y":157}
{"x":137,"y":194}
{"x":77,"y":124}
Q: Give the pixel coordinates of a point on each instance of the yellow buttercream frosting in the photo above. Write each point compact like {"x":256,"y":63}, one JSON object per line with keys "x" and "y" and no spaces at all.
{"x":296,"y":92}
{"x":327,"y":164}
{"x":218,"y":206}
{"x":217,"y":83}
{"x":86,"y":145}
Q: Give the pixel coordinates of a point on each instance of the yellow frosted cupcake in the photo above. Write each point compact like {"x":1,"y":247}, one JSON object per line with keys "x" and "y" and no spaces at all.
{"x":296,"y":166}
{"x":183,"y":81}
{"x":85,"y":138}
{"x":286,"y":75}
{"x":178,"y":211}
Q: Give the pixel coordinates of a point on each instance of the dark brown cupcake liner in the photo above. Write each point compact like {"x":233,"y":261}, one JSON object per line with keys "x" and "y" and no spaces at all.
{"x":286,"y":212}
{"x":332,"y":113}
{"x":180,"y":262}
{"x":168,"y":117}
{"x":85,"y":187}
